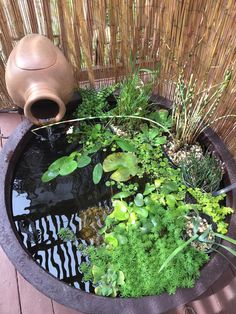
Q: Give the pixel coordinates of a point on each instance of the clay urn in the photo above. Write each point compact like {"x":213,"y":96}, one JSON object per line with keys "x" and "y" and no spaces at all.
{"x":39,"y":79}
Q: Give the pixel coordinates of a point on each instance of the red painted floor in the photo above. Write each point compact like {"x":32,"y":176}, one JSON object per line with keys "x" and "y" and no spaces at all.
{"x":19,"y":297}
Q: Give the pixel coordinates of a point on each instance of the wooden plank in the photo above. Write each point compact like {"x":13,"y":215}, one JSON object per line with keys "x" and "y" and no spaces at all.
{"x":32,"y":301}
{"x":207,"y":303}
{"x":61,"y":309}
{"x":9,"y":297}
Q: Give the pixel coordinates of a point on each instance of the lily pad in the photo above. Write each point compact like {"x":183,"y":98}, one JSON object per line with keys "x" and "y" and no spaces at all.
{"x":125,"y":166}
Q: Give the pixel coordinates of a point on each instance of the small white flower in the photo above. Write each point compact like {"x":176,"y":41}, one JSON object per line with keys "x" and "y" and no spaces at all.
{"x":70,"y":130}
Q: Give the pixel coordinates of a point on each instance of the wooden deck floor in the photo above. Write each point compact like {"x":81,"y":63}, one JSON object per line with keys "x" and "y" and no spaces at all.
{"x":19,"y":297}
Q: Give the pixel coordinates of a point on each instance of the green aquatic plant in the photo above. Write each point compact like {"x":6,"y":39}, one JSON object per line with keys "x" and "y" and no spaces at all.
{"x":193,"y":110}
{"x":204,"y":172}
{"x":210,"y":205}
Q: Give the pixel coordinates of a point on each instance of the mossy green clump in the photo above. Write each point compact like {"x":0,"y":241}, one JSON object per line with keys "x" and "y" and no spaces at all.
{"x":146,"y":244}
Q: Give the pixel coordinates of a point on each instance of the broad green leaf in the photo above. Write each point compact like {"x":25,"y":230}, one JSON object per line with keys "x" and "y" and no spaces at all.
{"x":124,"y":160}
{"x":121,"y":175}
{"x":138,"y":200}
{"x":83,"y":161}
{"x":160,"y":140}
{"x":97,"y":173}
{"x":153,"y":133}
{"x":57,"y":164}
{"x":170,"y":200}
{"x":149,"y":188}
{"x":121,"y":238}
{"x":49,"y":175}
{"x":177,"y":251}
{"x":94,"y":149}
{"x":68,"y":167}
{"x":111,"y":239}
{"x":141,"y":212}
{"x":125,"y":145}
{"x":121,"y":278}
{"x":121,"y":195}
{"x":132,"y":218}
{"x":120,"y":211}
{"x":169,"y":186}
{"x":97,"y":273}
{"x":106,"y":290}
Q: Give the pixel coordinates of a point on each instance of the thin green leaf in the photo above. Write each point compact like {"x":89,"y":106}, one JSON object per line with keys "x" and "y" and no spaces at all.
{"x":225,"y":238}
{"x":233,"y":252}
{"x":177,"y":251}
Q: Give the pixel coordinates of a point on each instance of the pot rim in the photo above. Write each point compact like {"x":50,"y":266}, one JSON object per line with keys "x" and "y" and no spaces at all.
{"x":80,"y":300}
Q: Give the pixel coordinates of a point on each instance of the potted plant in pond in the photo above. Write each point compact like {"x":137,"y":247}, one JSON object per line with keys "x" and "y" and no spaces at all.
{"x":151,"y":238}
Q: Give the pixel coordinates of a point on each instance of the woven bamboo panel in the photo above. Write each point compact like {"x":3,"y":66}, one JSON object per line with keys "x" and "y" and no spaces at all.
{"x":101,"y":37}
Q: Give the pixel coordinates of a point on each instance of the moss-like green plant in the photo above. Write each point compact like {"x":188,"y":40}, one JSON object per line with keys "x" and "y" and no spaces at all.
{"x":210,"y":205}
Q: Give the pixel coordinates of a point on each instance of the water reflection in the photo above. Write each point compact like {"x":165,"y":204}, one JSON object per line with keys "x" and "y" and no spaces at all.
{"x":40,"y":210}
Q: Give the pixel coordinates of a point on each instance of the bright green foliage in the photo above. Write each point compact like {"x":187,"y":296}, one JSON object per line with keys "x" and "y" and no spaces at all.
{"x":163,"y":117}
{"x":65,"y":165}
{"x":134,"y":96}
{"x":211,"y":206}
{"x":143,"y":244}
{"x":204,"y":172}
{"x":94,"y":102}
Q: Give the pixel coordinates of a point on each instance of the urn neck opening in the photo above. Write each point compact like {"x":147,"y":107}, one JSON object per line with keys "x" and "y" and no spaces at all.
{"x":44,"y":107}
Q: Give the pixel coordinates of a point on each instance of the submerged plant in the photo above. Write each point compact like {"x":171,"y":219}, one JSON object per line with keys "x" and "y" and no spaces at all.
{"x":194,"y":110}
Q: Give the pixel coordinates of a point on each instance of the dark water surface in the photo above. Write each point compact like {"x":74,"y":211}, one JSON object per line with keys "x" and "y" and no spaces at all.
{"x":41,"y":209}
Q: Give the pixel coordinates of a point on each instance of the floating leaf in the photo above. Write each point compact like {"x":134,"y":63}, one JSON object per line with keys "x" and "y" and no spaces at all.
{"x":125,"y":164}
{"x":97,"y":173}
{"x":141,"y":212}
{"x":169,"y":186}
{"x":160,"y":140}
{"x":83,"y":161}
{"x":121,"y":195}
{"x":120,"y":211}
{"x":57,"y":164}
{"x":170,"y":200}
{"x":111,"y":239}
{"x":49,"y":175}
{"x":68,"y":167}
{"x":121,"y":238}
{"x":97,"y":273}
{"x":149,"y":188}
{"x":94,"y":148}
{"x":125,"y":145}
{"x":138,"y":200}
{"x":121,"y":278}
{"x":121,"y":175}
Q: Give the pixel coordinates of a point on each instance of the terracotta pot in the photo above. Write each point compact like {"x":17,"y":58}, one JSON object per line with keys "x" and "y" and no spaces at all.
{"x":39,"y":79}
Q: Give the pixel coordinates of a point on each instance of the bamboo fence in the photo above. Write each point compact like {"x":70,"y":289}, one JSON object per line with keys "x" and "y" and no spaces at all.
{"x":101,"y":37}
